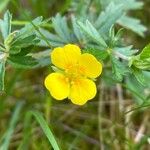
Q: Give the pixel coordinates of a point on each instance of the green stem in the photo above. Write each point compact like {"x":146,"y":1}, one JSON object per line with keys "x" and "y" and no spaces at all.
{"x":22,"y":23}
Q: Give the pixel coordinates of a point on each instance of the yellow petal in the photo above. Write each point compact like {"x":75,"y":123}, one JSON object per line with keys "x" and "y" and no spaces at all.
{"x":64,"y":57}
{"x":82,"y":90}
{"x":90,"y":66}
{"x":58,"y":85}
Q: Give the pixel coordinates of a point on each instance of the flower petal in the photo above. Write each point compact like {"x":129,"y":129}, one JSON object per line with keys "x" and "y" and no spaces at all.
{"x":66,"y":56}
{"x":58,"y":85}
{"x":82,"y":90}
{"x":90,"y":66}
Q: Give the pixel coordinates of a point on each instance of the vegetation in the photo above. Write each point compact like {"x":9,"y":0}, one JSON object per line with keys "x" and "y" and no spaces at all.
{"x":116,"y":33}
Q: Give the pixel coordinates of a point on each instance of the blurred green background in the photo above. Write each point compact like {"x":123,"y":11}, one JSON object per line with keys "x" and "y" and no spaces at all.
{"x":76,"y":128}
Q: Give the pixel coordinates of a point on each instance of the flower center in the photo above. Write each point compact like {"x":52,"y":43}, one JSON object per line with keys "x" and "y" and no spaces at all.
{"x":74,"y":72}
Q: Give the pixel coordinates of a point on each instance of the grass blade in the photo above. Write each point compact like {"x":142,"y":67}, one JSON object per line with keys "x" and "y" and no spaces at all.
{"x":46,"y":129}
{"x":7,"y":137}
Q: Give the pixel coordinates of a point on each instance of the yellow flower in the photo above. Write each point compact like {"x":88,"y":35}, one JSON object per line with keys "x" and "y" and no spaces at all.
{"x":74,"y":81}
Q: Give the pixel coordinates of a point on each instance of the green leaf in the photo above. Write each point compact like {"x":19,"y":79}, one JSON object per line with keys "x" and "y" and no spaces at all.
{"x":76,"y":29}
{"x":131,"y":4}
{"x":42,"y":62}
{"x":53,"y":39}
{"x":118,"y":69}
{"x":127,"y":51}
{"x":5,"y":141}
{"x":132,"y":24}
{"x":141,"y":64}
{"x":2,"y":74}
{"x":145,"y":54}
{"x":20,"y":44}
{"x":114,"y":39}
{"x":147,"y":78}
{"x":128,"y":4}
{"x":24,"y":62}
{"x":5,"y":25}
{"x":2,"y":48}
{"x":14,"y":50}
{"x":30,"y":28}
{"x":139,"y":75}
{"x":111,"y":12}
{"x":42,"y":58}
{"x":61,"y":28}
{"x":25,"y":51}
{"x":25,"y":42}
{"x":99,"y":54}
{"x":91,"y":31}
{"x":17,"y":51}
{"x":9,"y":48}
{"x":46,"y":129}
{"x":135,"y":88}
{"x":108,"y":17}
{"x":9,"y":40}
{"x":142,"y":61}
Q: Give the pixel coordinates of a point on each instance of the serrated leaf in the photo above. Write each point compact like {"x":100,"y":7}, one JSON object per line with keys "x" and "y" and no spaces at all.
{"x":145,"y":52}
{"x":30,"y":28}
{"x":2,"y":49}
{"x":25,"y":42}
{"x":24,"y":62}
{"x":42,"y":62}
{"x":23,"y":51}
{"x":118,"y":69}
{"x":114,"y":39}
{"x":127,"y":51}
{"x":61,"y":28}
{"x":141,"y":64}
{"x":76,"y":29}
{"x":5,"y":25}
{"x":8,"y":40}
{"x":132,"y":24}
{"x":42,"y":43}
{"x":108,"y":17}
{"x":132,"y":4}
{"x":21,"y":43}
{"x":142,"y":61}
{"x":91,"y":31}
{"x":99,"y":54}
{"x":125,"y":21}
{"x":139,"y":75}
{"x":53,"y":39}
{"x":2,"y":74}
{"x":136,"y":88}
{"x":128,"y":4}
{"x":14,"y":50}
{"x":42,"y":58}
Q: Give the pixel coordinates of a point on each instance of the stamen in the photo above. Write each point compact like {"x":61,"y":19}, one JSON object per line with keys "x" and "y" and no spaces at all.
{"x":67,"y":79}
{"x":72,"y":82}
